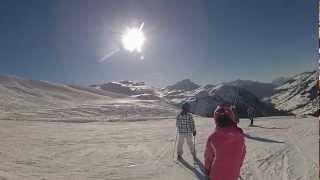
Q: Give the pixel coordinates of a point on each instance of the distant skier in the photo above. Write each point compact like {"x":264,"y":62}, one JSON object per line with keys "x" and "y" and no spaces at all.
{"x":251,"y":115}
{"x":225,"y":148}
{"x":236,"y":115}
{"x":186,"y":129}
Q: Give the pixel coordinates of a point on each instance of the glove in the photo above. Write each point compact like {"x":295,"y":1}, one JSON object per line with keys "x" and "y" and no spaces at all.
{"x":207,"y":172}
{"x":194,"y":133}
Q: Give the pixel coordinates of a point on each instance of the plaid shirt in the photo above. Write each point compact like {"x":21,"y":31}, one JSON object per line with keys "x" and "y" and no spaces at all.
{"x":185,"y":123}
{"x":250,"y":112}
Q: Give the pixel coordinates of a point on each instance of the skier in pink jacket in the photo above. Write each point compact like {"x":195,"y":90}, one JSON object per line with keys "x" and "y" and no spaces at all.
{"x":225,"y":149}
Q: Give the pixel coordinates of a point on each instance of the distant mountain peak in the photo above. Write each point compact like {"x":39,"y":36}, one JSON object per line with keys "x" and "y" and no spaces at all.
{"x":129,"y":88}
{"x":260,"y":89}
{"x":185,"y":85}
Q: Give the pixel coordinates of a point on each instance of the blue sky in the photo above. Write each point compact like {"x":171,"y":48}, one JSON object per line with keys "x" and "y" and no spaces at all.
{"x":206,"y":41}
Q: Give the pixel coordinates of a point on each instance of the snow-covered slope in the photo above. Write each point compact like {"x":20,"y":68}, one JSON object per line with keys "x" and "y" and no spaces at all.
{"x":25,"y":99}
{"x":298,"y":95}
{"x":20,"y":93}
{"x":278,"y":148}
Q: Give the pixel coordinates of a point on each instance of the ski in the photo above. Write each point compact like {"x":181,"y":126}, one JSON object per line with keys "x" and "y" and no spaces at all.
{"x":196,"y":169}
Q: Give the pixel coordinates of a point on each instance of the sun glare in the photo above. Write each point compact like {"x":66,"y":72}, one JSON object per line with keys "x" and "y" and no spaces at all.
{"x":133,"y":40}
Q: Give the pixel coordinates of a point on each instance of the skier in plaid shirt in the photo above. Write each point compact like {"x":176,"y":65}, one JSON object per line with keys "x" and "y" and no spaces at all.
{"x":186,"y":129}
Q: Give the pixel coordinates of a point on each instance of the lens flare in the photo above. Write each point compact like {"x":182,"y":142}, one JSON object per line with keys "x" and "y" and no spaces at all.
{"x":133,"y":40}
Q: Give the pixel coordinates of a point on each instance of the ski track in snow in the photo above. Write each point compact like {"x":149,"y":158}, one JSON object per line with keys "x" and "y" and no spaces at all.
{"x":292,"y":160}
{"x":143,"y":150}
{"x":299,"y":152}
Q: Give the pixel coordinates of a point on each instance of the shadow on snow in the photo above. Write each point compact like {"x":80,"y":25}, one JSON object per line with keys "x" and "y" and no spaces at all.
{"x":199,"y":173}
{"x":261,"y":139}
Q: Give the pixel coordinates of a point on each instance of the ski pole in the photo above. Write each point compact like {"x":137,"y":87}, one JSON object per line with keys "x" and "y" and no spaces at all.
{"x":174,"y":147}
{"x":194,"y":146}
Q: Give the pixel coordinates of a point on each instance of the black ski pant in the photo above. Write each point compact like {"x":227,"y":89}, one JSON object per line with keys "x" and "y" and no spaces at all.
{"x":251,"y":119}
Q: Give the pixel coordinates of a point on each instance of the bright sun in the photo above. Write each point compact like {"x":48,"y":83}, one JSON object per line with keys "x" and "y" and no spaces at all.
{"x":133,"y":40}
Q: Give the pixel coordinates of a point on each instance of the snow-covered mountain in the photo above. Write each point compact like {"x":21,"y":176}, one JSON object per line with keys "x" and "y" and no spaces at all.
{"x":298,"y":95}
{"x":179,"y":91}
{"x":184,"y":85}
{"x":177,"y":94}
{"x":204,"y":99}
{"x":261,"y":90}
{"x":133,"y":89}
{"x":25,"y":99}
{"x":294,"y":95}
{"x":280,"y":81}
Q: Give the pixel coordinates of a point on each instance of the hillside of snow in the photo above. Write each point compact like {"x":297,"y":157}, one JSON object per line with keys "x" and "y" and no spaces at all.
{"x":25,"y":99}
{"x":298,"y":95}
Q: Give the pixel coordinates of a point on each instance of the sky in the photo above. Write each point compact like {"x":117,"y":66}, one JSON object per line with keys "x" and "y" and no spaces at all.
{"x":207,"y":41}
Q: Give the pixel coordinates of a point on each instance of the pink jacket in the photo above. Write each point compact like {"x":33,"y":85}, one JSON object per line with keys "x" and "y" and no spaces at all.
{"x":224,"y":153}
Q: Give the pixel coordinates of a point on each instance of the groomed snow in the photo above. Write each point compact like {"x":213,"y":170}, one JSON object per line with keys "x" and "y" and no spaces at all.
{"x":278,"y":148}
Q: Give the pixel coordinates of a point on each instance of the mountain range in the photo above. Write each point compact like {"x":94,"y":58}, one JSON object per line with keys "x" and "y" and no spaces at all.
{"x":22,"y":98}
{"x":286,"y":95}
